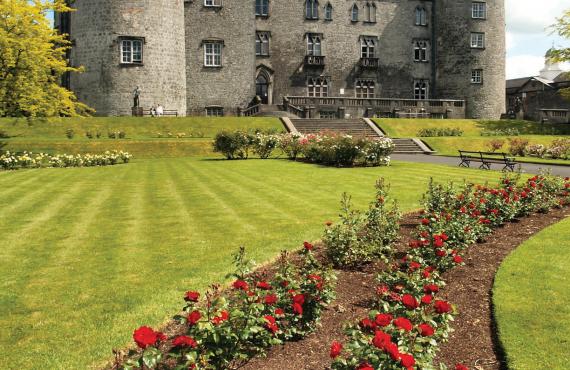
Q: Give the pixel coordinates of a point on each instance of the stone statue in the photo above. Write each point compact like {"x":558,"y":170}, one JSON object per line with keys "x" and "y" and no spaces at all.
{"x":136,"y":96}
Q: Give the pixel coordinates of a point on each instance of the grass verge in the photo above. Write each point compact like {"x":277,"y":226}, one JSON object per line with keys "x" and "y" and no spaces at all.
{"x":531,"y":298}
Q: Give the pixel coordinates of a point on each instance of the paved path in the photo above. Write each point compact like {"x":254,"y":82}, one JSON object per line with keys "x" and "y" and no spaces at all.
{"x":454,"y":161}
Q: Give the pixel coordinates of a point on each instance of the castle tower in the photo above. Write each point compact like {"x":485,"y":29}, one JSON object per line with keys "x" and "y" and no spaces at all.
{"x":470,"y":55}
{"x":125,"y":44}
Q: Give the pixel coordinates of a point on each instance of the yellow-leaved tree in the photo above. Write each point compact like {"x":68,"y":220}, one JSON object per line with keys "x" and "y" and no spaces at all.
{"x":562,"y":28}
{"x":32,"y":62}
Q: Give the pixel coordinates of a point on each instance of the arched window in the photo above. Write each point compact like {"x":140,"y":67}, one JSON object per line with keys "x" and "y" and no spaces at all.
{"x":314,"y":45}
{"x":421,"y":89}
{"x":371,"y":12}
{"x":318,"y":87}
{"x":328,"y":12}
{"x":262,"y":8}
{"x":420,"y":51}
{"x":312,"y":9}
{"x":365,"y":89}
{"x":421,"y":16}
{"x":354,"y":13}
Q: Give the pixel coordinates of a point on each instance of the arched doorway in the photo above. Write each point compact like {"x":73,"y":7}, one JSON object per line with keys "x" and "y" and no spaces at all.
{"x":262,"y":88}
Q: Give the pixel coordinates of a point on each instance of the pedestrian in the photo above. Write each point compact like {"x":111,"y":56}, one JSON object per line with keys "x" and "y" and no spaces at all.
{"x":159,"y":110}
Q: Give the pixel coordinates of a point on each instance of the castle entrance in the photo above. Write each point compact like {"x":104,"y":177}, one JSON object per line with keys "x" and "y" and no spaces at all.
{"x":262,"y":88}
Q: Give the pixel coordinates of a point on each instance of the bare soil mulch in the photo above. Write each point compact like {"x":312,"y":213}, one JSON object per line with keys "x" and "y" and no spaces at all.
{"x":473,"y":343}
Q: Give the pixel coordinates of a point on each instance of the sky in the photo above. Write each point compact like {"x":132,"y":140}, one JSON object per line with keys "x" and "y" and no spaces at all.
{"x":528,"y":36}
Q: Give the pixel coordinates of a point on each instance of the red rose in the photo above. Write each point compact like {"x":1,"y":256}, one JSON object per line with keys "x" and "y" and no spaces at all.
{"x":461,"y":367}
{"x":308,"y":246}
{"x":193,"y":317}
{"x":184,"y":341}
{"x":410,"y":302}
{"x":299,"y":299}
{"x":298,"y":309}
{"x":407,"y":361}
{"x":440,"y":252}
{"x":240,"y":285}
{"x":279,"y":312}
{"x":263,"y":285}
{"x":284,"y":284}
{"x":383,"y":319}
{"x":381,"y":339}
{"x":367,"y":324}
{"x":224,"y":315}
{"x":393,"y":351}
{"x":426,"y":330}
{"x":442,"y":307}
{"x":382,"y":289}
{"x":426,"y":299}
{"x":403,"y":323}
{"x":271,"y":324}
{"x":145,"y":337}
{"x":425,"y":221}
{"x":270,"y":299}
{"x":328,"y":223}
{"x":192,"y":296}
{"x":414,"y":266}
{"x":365,"y":366}
{"x":336,"y":349}
{"x":438,"y":242}
{"x":457,"y":259}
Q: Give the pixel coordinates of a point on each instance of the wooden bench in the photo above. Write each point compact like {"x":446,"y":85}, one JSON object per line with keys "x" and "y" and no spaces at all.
{"x":164,"y":114}
{"x":487,"y":159}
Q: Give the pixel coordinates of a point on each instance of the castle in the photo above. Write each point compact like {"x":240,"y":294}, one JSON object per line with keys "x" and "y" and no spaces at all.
{"x":322,"y":57}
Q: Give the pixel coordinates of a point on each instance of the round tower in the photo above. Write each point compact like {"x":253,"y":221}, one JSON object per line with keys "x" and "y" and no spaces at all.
{"x":128,"y":44}
{"x":470,"y":55}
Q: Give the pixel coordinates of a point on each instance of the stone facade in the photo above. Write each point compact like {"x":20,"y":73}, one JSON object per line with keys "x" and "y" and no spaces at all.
{"x":174,"y":71}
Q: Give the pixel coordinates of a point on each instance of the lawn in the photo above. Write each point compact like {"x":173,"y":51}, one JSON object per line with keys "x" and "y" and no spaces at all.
{"x":536,"y":133}
{"x":142,"y":134}
{"x":88,"y":254}
{"x":531,"y":302}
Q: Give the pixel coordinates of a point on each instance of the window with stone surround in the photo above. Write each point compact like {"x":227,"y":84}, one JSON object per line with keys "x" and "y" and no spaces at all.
{"x":421,"y":53}
{"x":215,"y":111}
{"x":477,"y":40}
{"x":213,"y":3}
{"x":368,"y":46}
{"x":421,"y":16}
{"x":213,"y":53}
{"x":131,"y":51}
{"x":314,"y":44}
{"x":262,"y":43}
{"x":262,"y":8}
{"x":354,"y":13}
{"x":477,"y":76}
{"x":328,"y":12}
{"x":421,"y":89}
{"x":317,"y":87}
{"x":370,"y":13}
{"x":365,"y":89}
{"x":311,"y":9}
{"x":478,"y":10}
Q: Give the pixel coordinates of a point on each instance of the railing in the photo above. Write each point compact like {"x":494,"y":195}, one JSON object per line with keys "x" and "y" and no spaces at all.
{"x":249,"y":112}
{"x":315,"y":60}
{"x":290,"y":108}
{"x":374,"y":102}
{"x":367,"y":62}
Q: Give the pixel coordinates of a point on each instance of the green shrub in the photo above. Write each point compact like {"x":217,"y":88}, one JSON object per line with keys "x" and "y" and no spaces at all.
{"x":443,"y":131}
{"x":233,"y":145}
{"x":264,"y":144}
{"x":495,"y":145}
{"x":501,"y":132}
{"x":518,"y":146}
{"x":70,"y":133}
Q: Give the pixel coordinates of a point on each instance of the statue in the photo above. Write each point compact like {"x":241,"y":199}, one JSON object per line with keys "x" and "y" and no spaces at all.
{"x":136,"y":96}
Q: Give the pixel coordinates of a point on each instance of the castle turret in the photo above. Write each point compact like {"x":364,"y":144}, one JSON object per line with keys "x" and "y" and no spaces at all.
{"x":128,"y":44}
{"x":470,"y":38}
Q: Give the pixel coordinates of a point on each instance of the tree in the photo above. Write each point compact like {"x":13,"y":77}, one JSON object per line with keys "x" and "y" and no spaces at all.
{"x":562,"y":28}
{"x":32,"y":61}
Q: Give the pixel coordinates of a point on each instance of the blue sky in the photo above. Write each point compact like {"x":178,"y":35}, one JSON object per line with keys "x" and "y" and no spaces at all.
{"x":528,"y":37}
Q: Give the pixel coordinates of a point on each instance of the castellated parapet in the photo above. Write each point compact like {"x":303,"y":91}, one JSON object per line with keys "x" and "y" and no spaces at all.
{"x":200,"y":56}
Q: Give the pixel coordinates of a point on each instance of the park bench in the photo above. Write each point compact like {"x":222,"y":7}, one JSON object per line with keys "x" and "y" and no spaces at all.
{"x":164,"y":113}
{"x":487,"y":159}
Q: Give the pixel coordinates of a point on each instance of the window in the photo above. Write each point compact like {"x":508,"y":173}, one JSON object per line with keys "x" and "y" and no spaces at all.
{"x":328,"y":12}
{"x":312,"y":9}
{"x":215,"y":111}
{"x":368,"y":47}
{"x":421,"y":16}
{"x":213,"y":3}
{"x":131,"y":51}
{"x":262,"y":43}
{"x":477,"y":76}
{"x":421,"y":51}
{"x":477,"y":40}
{"x":478,"y":10}
{"x":262,"y":8}
{"x":314,"y":45}
{"x":421,"y":89}
{"x":365,"y":89}
{"x":212,"y":54}
{"x":370,"y":12}
{"x":318,"y":87}
{"x":354,"y":13}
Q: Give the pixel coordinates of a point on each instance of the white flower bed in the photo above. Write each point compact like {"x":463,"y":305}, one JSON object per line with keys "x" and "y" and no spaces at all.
{"x":14,"y":161}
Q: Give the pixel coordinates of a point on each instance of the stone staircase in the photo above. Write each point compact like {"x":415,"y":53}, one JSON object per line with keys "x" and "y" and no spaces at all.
{"x":353,"y":127}
{"x":266,"y":110}
{"x":407,"y":146}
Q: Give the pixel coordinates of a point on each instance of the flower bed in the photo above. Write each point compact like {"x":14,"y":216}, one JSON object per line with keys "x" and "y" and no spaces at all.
{"x":326,"y":148}
{"x":233,"y":326}
{"x":408,"y":322}
{"x":13,"y":161}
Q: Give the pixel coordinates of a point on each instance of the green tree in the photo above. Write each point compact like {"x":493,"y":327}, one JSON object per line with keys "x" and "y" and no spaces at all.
{"x":562,"y":28}
{"x":32,"y":61}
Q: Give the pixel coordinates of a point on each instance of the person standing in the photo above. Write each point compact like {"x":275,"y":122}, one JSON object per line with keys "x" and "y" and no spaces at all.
{"x":159,"y":110}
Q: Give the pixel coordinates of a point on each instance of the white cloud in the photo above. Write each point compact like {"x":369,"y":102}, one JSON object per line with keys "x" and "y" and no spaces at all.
{"x":527,"y":65}
{"x":529,"y":17}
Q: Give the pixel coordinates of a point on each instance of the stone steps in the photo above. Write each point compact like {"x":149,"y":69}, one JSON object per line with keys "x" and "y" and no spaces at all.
{"x":353,"y":127}
{"x":407,"y":146}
